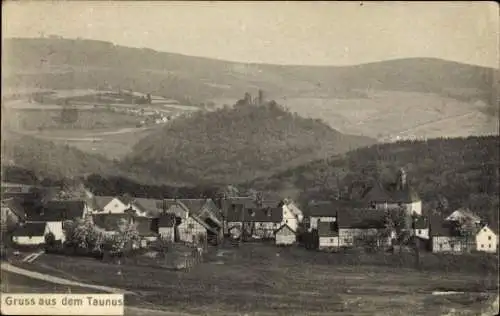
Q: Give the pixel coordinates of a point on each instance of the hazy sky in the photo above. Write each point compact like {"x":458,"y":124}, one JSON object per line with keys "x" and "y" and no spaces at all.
{"x":275,"y":32}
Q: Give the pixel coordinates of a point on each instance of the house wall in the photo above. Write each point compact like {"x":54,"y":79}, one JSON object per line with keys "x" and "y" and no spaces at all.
{"x":56,"y":229}
{"x":422,"y":233}
{"x":265,"y":229}
{"x":289,"y":218}
{"x":328,"y":242}
{"x":190,"y":229}
{"x":28,"y":241}
{"x":486,"y":240}
{"x":347,"y":236}
{"x":448,"y":244}
{"x":167,"y":233}
{"x":115,"y":207}
{"x":323,"y":219}
{"x":295,"y":210}
{"x":285,"y":237}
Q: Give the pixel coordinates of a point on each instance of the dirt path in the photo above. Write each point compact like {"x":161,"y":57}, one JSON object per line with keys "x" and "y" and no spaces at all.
{"x":48,"y":278}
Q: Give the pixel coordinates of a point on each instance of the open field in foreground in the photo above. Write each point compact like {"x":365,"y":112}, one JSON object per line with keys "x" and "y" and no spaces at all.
{"x":264,"y":280}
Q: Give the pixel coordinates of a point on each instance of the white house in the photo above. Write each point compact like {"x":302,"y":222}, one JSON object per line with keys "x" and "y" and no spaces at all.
{"x":166,"y":227}
{"x":487,"y":240}
{"x":55,"y":213}
{"x":285,"y":236}
{"x":30,"y":234}
{"x":292,"y":215}
{"x":463,"y":214}
{"x":117,"y":205}
{"x":421,"y":227}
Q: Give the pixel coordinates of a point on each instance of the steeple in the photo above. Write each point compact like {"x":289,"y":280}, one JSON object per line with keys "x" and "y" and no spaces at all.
{"x":402,"y":179}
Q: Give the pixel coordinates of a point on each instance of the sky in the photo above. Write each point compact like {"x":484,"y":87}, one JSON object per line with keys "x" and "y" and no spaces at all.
{"x":300,"y":33}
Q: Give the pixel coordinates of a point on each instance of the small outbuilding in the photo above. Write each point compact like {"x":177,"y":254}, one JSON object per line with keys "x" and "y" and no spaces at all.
{"x":285,"y":235}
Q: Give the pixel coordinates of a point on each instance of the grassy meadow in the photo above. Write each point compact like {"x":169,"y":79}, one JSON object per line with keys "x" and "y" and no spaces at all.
{"x":259,"y":279}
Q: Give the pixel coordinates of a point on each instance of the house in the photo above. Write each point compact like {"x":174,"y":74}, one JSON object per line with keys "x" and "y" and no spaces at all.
{"x":327,"y":211}
{"x":328,"y":235}
{"x":13,"y":212}
{"x":464,"y":214}
{"x":190,"y":227}
{"x":30,"y":234}
{"x":147,"y":207}
{"x":166,"y":227}
{"x":445,"y":237}
{"x":285,"y":235}
{"x":54,"y":213}
{"x":359,"y":226}
{"x":487,"y":240}
{"x":146,"y":227}
{"x":259,"y":222}
{"x":283,"y":212}
{"x":207,"y":212}
{"x":393,"y":196}
{"x":117,"y":205}
{"x":421,"y":227}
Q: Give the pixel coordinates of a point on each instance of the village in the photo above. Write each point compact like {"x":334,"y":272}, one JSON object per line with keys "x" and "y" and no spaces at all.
{"x":384,"y":220}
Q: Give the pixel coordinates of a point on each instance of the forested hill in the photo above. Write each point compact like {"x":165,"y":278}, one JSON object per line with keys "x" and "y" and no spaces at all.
{"x":458,"y":171}
{"x":238,"y":144}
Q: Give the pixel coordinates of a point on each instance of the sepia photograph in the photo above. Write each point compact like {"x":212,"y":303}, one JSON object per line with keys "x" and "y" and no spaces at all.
{"x":250,"y":158}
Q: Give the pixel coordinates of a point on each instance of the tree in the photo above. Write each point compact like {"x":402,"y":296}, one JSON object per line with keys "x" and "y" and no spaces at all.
{"x":85,"y":234}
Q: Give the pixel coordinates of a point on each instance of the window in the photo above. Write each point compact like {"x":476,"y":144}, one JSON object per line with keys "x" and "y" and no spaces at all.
{"x":331,"y":239}
{"x":191,"y":226}
{"x":116,"y":205}
{"x":489,"y":237}
{"x":489,"y":246}
{"x":419,"y":231}
{"x":482,"y":246}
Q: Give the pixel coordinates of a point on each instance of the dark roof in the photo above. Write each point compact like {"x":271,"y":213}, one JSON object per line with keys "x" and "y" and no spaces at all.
{"x":391,"y":194}
{"x":326,"y":209}
{"x":194,"y":205}
{"x":325,"y":230}
{"x":166,"y":220}
{"x":30,"y":229}
{"x":15,"y":206}
{"x":241,"y":213}
{"x":55,"y":211}
{"x":361,"y":218}
{"x":438,"y":226}
{"x":421,"y":222}
{"x":109,"y":222}
{"x":144,"y":226}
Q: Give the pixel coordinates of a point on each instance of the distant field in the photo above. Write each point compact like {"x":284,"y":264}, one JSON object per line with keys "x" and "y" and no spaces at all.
{"x":265,"y":280}
{"x":50,"y":119}
{"x":383,"y":114}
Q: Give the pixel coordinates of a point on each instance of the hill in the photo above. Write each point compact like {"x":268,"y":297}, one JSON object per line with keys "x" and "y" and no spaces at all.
{"x":459,"y":171}
{"x":57,"y":63}
{"x":25,"y":157}
{"x":237,"y":144}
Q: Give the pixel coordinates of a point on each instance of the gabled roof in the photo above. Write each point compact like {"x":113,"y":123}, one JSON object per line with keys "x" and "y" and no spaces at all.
{"x":391,"y":194}
{"x":101,"y":201}
{"x":55,"y":211}
{"x":16,"y":207}
{"x":361,"y":218}
{"x":492,"y":228}
{"x":194,"y":205}
{"x":463,"y":213}
{"x":325,"y":230}
{"x":152,"y":207}
{"x":30,"y":229}
{"x":285,"y":226}
{"x":242,"y":214}
{"x":439,"y":227}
